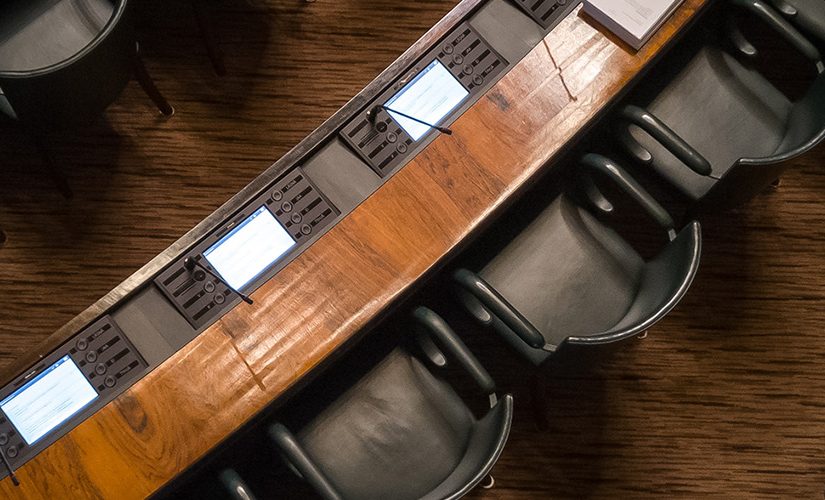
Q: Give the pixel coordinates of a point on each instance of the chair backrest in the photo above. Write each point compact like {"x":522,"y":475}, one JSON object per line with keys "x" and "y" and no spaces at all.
{"x":77,"y":90}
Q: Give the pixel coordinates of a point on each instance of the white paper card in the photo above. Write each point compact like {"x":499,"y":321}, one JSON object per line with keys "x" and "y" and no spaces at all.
{"x":634,"y":21}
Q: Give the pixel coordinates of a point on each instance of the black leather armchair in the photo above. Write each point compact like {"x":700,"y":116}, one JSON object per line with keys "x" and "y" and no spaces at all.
{"x":401,"y":431}
{"x":717,"y":129}
{"x":569,"y":279}
{"x":808,"y":15}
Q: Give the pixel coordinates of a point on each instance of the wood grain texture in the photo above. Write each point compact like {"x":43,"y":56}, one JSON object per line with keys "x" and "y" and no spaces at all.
{"x":724,"y":397}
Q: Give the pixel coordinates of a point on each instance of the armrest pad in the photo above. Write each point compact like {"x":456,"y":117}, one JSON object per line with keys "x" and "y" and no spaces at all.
{"x":677,"y":146}
{"x":297,"y":456}
{"x":630,"y":186}
{"x":499,"y":306}
{"x":235,"y":486}
{"x":781,"y":25}
{"x":438,"y":329}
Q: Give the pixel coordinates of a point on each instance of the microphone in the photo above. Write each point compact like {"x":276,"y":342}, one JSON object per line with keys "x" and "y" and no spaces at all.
{"x":190,"y":264}
{"x":9,"y":467}
{"x":372,"y":114}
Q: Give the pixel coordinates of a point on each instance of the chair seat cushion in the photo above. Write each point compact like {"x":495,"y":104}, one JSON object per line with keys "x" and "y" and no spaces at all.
{"x":724,"y":110}
{"x":567,"y":273}
{"x":397,"y":433}
{"x":35,"y":34}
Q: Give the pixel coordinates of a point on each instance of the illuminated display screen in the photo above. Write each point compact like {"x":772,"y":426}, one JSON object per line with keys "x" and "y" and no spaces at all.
{"x":48,"y":400}
{"x":430,"y":96}
{"x":249,"y":249}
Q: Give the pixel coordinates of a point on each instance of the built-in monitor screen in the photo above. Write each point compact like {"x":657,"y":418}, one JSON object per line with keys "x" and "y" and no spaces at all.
{"x":429,"y":97}
{"x":48,"y":400}
{"x":249,"y":249}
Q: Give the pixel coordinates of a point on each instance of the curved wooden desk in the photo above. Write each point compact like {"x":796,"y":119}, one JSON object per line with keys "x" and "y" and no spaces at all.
{"x":344,"y":282}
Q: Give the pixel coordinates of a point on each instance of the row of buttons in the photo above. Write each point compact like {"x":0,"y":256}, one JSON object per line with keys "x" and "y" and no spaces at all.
{"x":287,"y":207}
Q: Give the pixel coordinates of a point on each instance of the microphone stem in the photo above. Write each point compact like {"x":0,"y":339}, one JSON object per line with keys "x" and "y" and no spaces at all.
{"x":443,"y":130}
{"x":190,"y":263}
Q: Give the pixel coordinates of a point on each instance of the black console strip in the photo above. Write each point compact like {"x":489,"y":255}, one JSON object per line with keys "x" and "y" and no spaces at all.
{"x":547,"y":13}
{"x":294,"y":201}
{"x":381,"y":142}
{"x":105,"y":358}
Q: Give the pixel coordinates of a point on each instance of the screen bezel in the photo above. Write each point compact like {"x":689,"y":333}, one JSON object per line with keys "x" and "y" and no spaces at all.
{"x":415,"y":79}
{"x":232,"y":231}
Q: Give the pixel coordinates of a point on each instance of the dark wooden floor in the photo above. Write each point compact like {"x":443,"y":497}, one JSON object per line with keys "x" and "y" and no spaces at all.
{"x":726,"y":396}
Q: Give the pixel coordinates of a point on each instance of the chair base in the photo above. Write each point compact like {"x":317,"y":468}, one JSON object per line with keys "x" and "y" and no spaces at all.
{"x":209,"y":39}
{"x":148,"y":85}
{"x":52,"y":168}
{"x":488,"y":482}
{"x":539,"y":400}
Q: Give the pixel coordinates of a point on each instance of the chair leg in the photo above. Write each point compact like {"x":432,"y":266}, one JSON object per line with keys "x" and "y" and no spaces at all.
{"x":776,"y":183}
{"x":209,"y":39}
{"x":148,"y":85}
{"x":539,"y":400}
{"x":488,"y":482}
{"x":52,"y":168}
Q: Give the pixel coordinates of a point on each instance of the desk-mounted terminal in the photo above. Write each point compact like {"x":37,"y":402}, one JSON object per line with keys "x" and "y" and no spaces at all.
{"x":64,"y":388}
{"x":246,"y":250}
{"x":547,"y":13}
{"x":448,"y":77}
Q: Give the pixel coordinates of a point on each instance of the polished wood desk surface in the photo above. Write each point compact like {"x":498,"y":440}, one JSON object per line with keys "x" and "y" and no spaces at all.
{"x":342,"y":284}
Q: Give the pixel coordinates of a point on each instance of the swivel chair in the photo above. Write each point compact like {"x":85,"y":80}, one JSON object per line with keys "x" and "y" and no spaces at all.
{"x":63,"y":62}
{"x":714,"y":127}
{"x":808,"y":15}
{"x":401,"y":431}
{"x":569,"y":279}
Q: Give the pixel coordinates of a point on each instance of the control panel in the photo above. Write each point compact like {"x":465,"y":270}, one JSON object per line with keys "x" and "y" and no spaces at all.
{"x":77,"y":379}
{"x":248,"y":249}
{"x":547,"y":13}
{"x":396,"y":124}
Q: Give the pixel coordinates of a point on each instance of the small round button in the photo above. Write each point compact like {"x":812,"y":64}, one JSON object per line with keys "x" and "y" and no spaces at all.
{"x":306,"y":229}
{"x":458,"y":59}
{"x":392,"y":138}
{"x":277,"y":195}
{"x":448,"y":49}
{"x":381,"y":126}
{"x":82,"y":344}
{"x":467,"y":69}
{"x":478,"y":80}
{"x":11,"y":452}
{"x":100,"y":369}
{"x":296,"y":218}
{"x":562,"y":2}
{"x":208,"y":287}
{"x":91,"y":356}
{"x":109,"y":381}
{"x":200,"y":275}
{"x":4,"y":439}
{"x":402,"y":148}
{"x":286,"y":206}
{"x":220,"y":299}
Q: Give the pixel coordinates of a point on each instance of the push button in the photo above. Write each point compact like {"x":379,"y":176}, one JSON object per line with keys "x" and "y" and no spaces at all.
{"x":277,"y":195}
{"x":478,"y":80}
{"x":209,"y":287}
{"x":296,"y":218}
{"x":11,"y":452}
{"x":200,"y":275}
{"x":401,"y":148}
{"x":4,"y":439}
{"x":392,"y":138}
{"x":306,"y":229}
{"x":109,"y":381}
{"x":468,"y":69}
{"x":82,"y":344}
{"x":220,"y":299}
{"x":448,"y":49}
{"x":286,"y":206}
{"x":91,"y":356}
{"x":381,"y":126}
{"x":100,"y":369}
{"x":458,"y":59}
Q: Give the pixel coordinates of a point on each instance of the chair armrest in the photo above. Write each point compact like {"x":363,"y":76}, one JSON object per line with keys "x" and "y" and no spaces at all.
{"x":446,"y":338}
{"x":781,"y":25}
{"x":235,"y":486}
{"x":498,"y":305}
{"x":289,"y":446}
{"x":657,"y":129}
{"x":630,"y":186}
